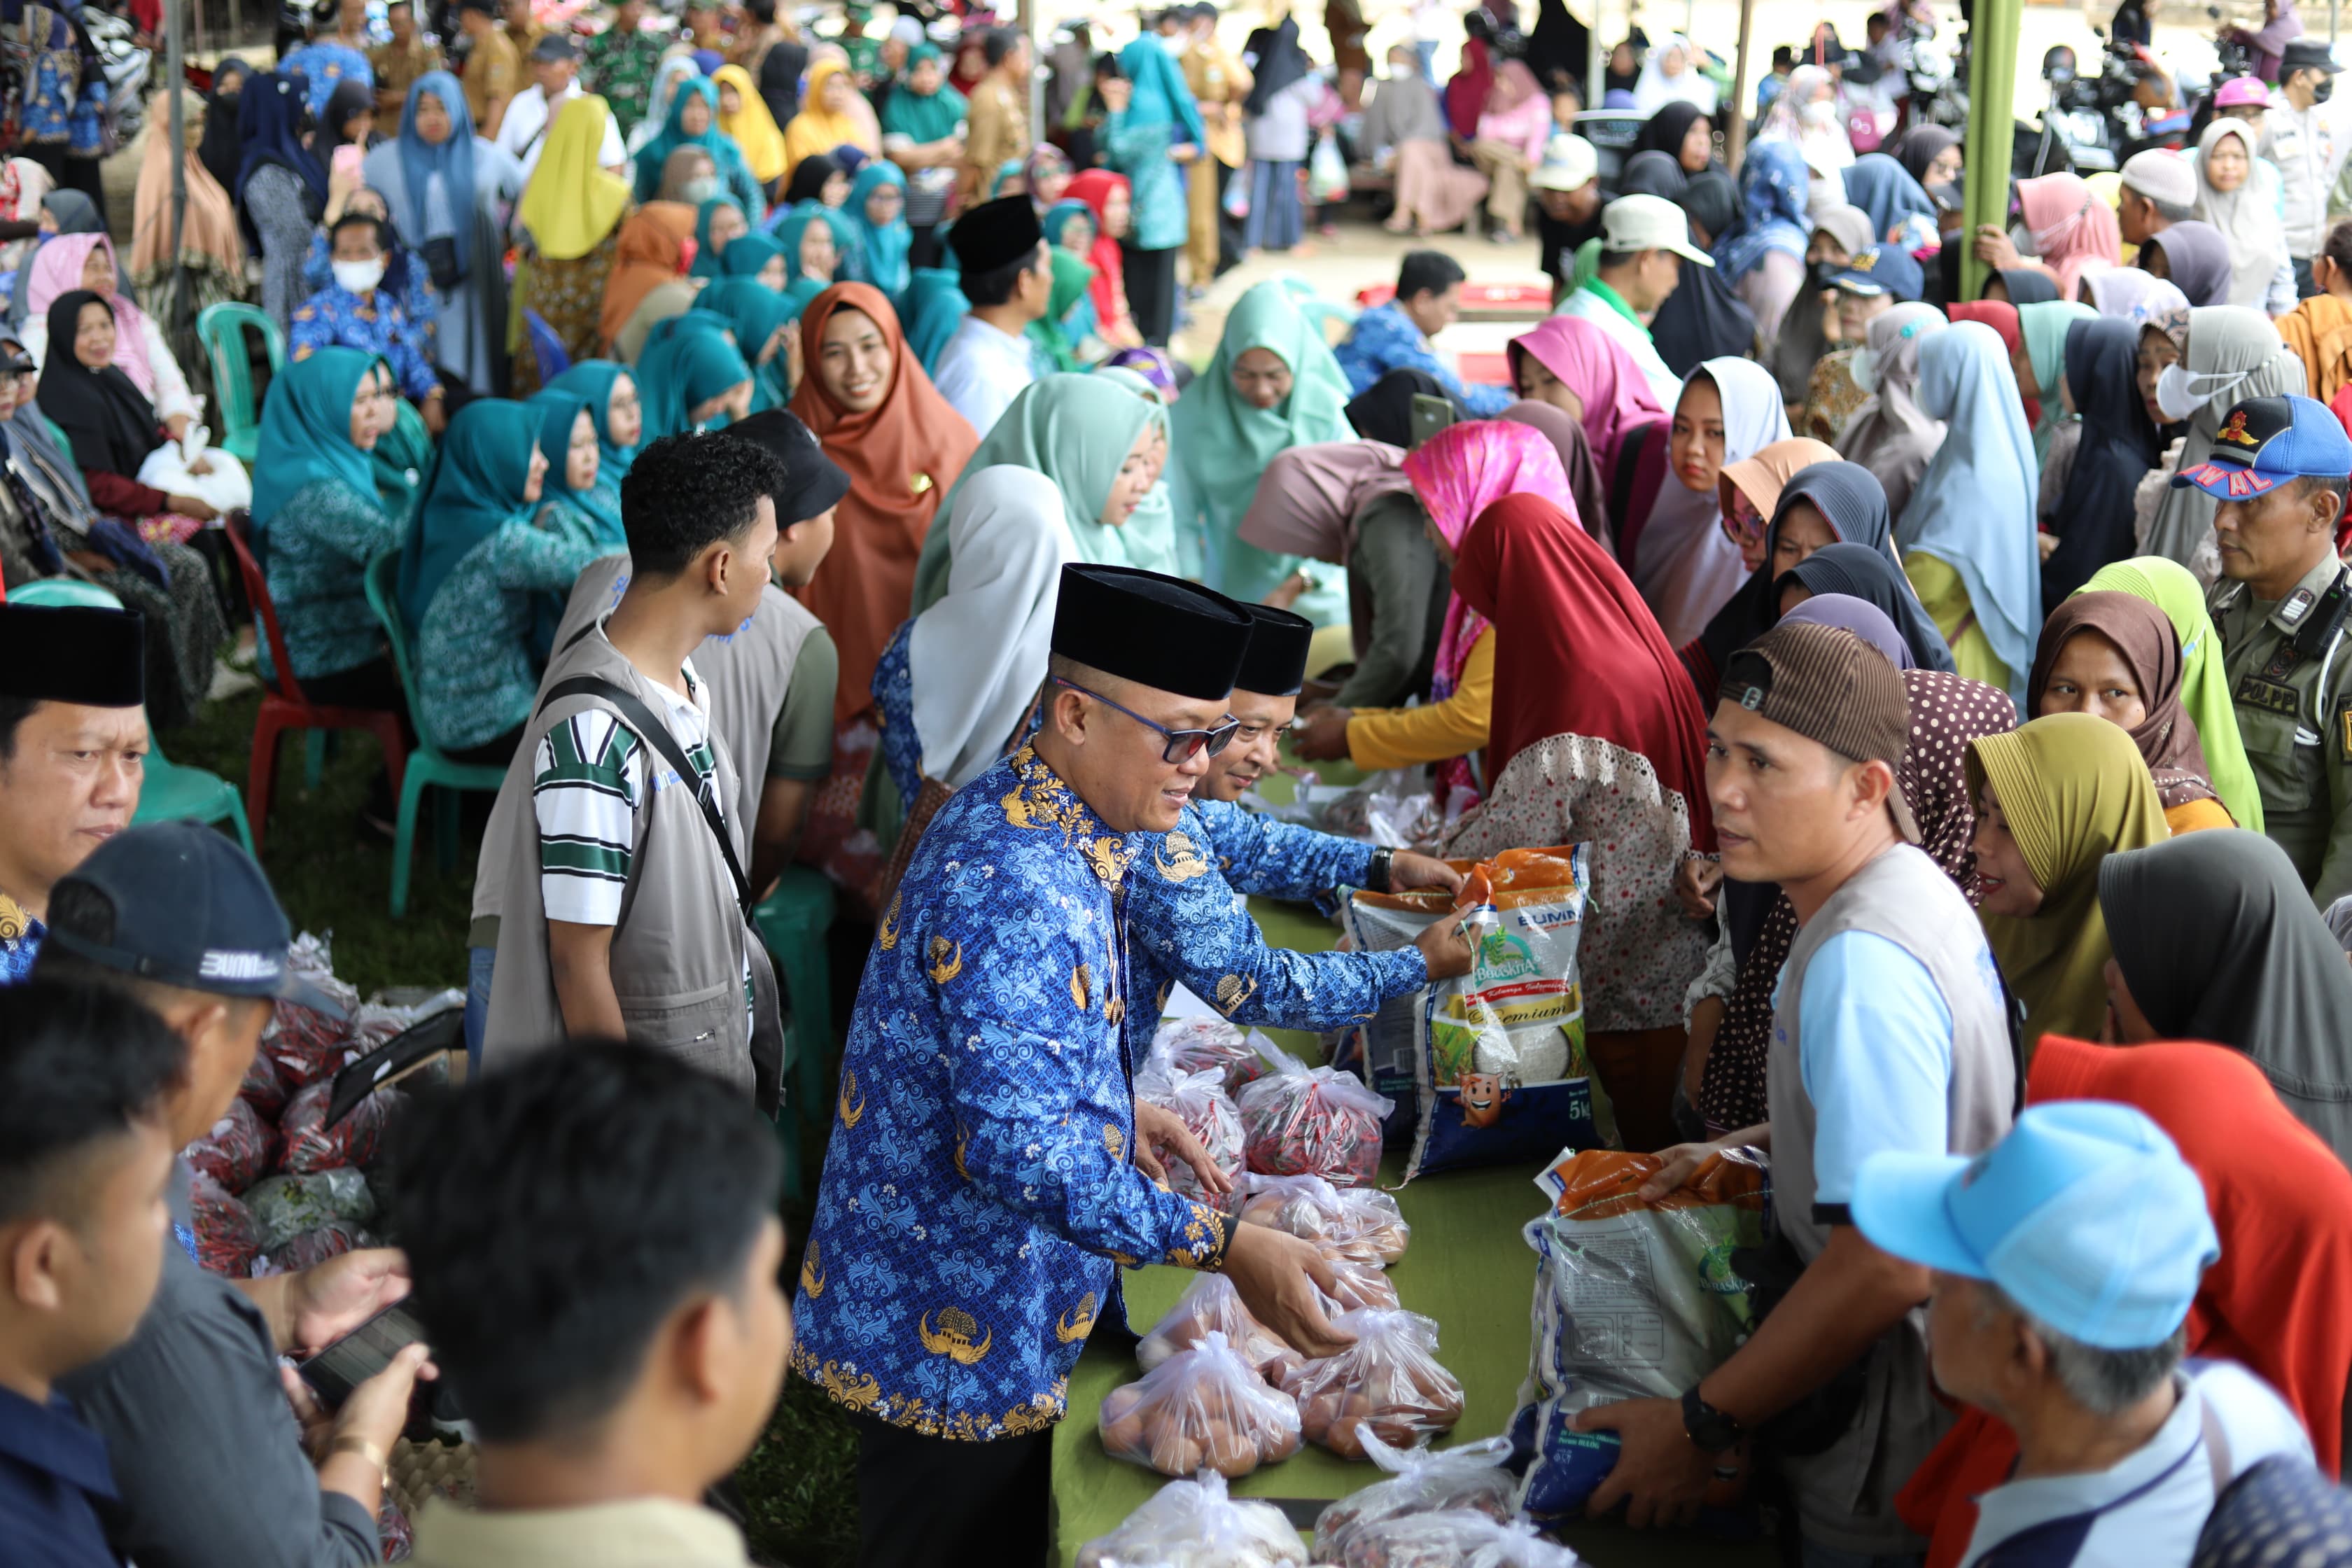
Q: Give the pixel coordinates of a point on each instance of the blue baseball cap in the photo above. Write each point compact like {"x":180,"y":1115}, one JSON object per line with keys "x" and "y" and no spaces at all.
{"x":2085,"y":1216}
{"x":2265,"y":441}
{"x":1884,"y":269}
{"x":180,"y":905}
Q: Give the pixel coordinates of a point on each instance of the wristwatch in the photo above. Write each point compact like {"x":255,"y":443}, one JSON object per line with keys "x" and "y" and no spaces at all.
{"x":1711,"y":1431}
{"x":1377,"y":876}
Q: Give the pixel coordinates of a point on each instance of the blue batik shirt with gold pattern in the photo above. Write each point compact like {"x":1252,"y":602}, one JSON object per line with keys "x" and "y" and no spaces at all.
{"x":979,"y":1190}
{"x":1187,"y":922}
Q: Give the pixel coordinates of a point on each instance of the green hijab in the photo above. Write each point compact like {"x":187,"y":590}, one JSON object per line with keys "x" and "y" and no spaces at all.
{"x":1220,"y":444}
{"x":909,"y":113}
{"x":1075,"y":430}
{"x":709,"y":262}
{"x":594,"y":380}
{"x":2043,"y":327}
{"x":476,"y":486}
{"x":747,"y":254}
{"x":2204,"y":683}
{"x":1147,"y":538}
{"x":795,"y":223}
{"x":2073,"y":789}
{"x":692,"y":365}
{"x":557,"y":411}
{"x":305,"y":433}
{"x":1051,"y":332}
{"x":753,"y":312}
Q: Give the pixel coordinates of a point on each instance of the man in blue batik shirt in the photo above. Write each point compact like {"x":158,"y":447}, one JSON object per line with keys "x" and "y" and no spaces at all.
{"x":989,"y":1168}
{"x":1395,"y":336}
{"x":1189,"y":922}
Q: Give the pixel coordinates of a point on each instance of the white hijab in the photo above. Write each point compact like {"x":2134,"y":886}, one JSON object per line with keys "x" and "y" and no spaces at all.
{"x":1653,"y":88}
{"x":976,"y":658}
{"x":1685,"y":566}
{"x":2248,"y":217}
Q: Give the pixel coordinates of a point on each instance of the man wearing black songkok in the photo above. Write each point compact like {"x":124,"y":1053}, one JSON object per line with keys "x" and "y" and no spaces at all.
{"x":73,"y":748}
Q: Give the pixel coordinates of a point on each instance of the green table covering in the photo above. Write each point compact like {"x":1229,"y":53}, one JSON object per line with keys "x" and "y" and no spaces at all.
{"x":1465,"y":1267}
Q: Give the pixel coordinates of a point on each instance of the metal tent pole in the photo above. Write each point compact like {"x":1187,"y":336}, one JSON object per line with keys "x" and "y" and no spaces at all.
{"x":1595,"y":54}
{"x":1735,"y":127}
{"x":175,"y":125}
{"x":1992,"y":91}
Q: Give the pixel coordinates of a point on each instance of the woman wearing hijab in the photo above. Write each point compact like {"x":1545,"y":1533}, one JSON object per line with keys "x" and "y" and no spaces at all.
{"x":1967,"y":538}
{"x":1901,"y":213}
{"x":1108,"y":198}
{"x":222,"y":151}
{"x":1805,"y":116}
{"x":113,"y":430}
{"x":818,"y":178}
{"x":481,"y":554}
{"x":2272,"y":1303}
{"x":955,"y":684}
{"x":212,"y":249}
{"x":2073,"y":231}
{"x":2231,"y":353}
{"x":1861,"y":293}
{"x":1595,"y":738}
{"x":611,"y":393}
{"x":2056,"y":797}
{"x":2195,"y":256}
{"x":1154,"y":126}
{"x":2215,"y":938}
{"x":2116,"y":656}
{"x":2118,"y":446}
{"x":877,"y":211}
{"x":318,"y":519}
{"x":1349,"y":502}
{"x":2026,"y":284}
{"x":72,"y":262}
{"x":826,"y":119}
{"x":446,"y":186}
{"x":1513,"y":126}
{"x":1456,"y":475}
{"x":903,"y":447}
{"x":1058,"y":336}
{"x":1283,"y":89}
{"x":1671,"y":74}
{"x":2039,"y":363}
{"x":763,"y":322}
{"x":1590,"y":497}
{"x":1830,"y":240}
{"x":1433,"y":194}
{"x":1857,"y":572}
{"x":280,"y":187}
{"x":814,"y":240}
{"x":2129,"y":294}
{"x":718,"y":223}
{"x":693,"y":122}
{"x":1890,"y":434}
{"x":1383,"y":411}
{"x":1272,"y":384}
{"x":1684,"y":133}
{"x":578,"y":495}
{"x":2235,"y":203}
{"x":571,"y":216}
{"x":743,"y":119}
{"x":1929,"y":155}
{"x":1812,"y":501}
{"x":649,"y":282}
{"x":1569,"y":364}
{"x":693,"y":378}
{"x":1686,"y":567}
{"x":1764,"y":259}
{"x":2204,"y":682}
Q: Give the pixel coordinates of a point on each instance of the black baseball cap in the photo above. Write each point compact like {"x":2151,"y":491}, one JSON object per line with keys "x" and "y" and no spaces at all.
{"x":184,"y":907}
{"x":813,"y":483}
{"x":553,"y":48}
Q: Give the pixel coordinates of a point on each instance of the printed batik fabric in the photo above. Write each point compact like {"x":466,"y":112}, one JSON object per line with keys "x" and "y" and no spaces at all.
{"x":979,"y":1189}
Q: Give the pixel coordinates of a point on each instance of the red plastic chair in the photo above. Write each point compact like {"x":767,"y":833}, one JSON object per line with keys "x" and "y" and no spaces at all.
{"x":287,"y":709}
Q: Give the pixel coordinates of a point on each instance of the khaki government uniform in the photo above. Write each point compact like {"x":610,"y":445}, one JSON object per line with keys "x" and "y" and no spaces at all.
{"x":1219,"y":82}
{"x":2290,"y":673}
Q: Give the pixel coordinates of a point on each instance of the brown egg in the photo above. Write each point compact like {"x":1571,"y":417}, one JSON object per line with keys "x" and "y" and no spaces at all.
{"x":1229,"y":1452}
{"x":1173,"y":1453}
{"x":1123,"y":1438}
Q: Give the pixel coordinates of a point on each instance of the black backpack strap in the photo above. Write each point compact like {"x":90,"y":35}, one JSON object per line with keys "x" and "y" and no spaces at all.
{"x":640,"y":720}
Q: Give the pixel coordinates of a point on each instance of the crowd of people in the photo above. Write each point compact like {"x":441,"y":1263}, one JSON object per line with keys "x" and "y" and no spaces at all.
{"x":767,"y":452}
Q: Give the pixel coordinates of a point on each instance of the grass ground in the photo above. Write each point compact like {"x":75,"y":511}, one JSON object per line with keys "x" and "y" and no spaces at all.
{"x":334,"y":876}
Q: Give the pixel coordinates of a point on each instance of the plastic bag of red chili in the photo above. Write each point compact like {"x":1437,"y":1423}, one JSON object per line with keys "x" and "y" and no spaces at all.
{"x":1299,"y":1120}
{"x":312,"y":1145}
{"x":265,"y":1088}
{"x":237,"y":1152}
{"x":1206,"y":1109}
{"x":228,"y":1238}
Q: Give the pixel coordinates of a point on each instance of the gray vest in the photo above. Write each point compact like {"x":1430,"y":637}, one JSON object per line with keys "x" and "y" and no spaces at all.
{"x":1846,"y":1494}
{"x":679,"y":951}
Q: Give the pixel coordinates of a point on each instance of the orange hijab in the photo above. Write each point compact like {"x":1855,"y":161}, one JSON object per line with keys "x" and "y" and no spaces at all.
{"x":901,"y":458}
{"x":652,"y":251}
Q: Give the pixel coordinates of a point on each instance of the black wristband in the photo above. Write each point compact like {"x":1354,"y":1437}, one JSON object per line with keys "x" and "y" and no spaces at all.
{"x":1379,"y":875}
{"x":1710,"y":1430}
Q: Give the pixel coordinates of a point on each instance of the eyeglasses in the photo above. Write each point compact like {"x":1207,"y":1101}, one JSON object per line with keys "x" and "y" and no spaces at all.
{"x":1182,"y":745}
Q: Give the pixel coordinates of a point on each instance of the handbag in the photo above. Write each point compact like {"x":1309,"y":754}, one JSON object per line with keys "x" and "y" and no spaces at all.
{"x":1237,"y":194}
{"x":441,"y":263}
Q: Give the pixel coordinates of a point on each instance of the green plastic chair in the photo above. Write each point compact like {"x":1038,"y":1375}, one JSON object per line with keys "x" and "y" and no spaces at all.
{"x":427,"y":764}
{"x":221,"y":329}
{"x":788,"y":1116}
{"x":793,"y":922}
{"x":168,"y":793}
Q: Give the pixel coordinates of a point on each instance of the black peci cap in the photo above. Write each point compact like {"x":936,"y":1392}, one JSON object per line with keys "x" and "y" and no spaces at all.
{"x":1157,"y":631}
{"x":995,"y":232}
{"x":73,"y":653}
{"x":1275,"y":663}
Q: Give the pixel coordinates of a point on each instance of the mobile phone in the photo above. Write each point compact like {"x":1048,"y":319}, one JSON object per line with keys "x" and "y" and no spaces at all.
{"x":345,"y":165}
{"x":1430,"y":414}
{"x":359,"y":1355}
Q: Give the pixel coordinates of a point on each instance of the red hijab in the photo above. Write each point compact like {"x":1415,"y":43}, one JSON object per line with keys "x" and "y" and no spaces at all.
{"x":901,"y":458}
{"x":2275,"y":1302}
{"x":1587,"y":656}
{"x":1465,"y":94}
{"x":1109,"y":288}
{"x":2001,"y":317}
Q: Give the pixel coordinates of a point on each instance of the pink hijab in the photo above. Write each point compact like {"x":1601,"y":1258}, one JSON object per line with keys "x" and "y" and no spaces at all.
{"x":1596,"y":367}
{"x":2074,"y":230}
{"x":1308,"y":497}
{"x":56,"y":271}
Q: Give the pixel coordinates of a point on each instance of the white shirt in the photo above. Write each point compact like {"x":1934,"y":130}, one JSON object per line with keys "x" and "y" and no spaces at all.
{"x":522,"y":134}
{"x":1591,"y":307}
{"x":2144,"y":1511}
{"x":2308,"y":147}
{"x":982,"y":371}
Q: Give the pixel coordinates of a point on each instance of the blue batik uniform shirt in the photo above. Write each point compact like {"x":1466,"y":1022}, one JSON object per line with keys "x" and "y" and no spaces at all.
{"x":1384,"y":339}
{"x":20,"y":941}
{"x":1187,"y":922}
{"x":980,"y":1188}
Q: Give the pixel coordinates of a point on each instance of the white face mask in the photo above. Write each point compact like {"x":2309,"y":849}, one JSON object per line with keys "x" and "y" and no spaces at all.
{"x":359,"y":277}
{"x":2180,"y":391}
{"x":698,"y":191}
{"x":1863,"y":368}
{"x":1821,"y":111}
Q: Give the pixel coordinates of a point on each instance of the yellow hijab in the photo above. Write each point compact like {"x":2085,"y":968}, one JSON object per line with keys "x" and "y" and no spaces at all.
{"x":813,"y":131}
{"x":753,"y":128}
{"x":2074,"y":790}
{"x":571,"y":203}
